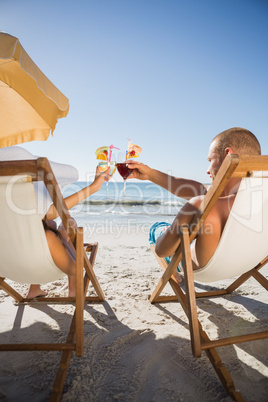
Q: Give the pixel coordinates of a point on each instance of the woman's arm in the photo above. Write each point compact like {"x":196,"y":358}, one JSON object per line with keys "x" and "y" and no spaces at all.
{"x":80,"y":195}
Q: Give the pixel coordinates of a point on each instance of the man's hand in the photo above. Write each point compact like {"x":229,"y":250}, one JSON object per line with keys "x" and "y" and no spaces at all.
{"x":139,"y":170}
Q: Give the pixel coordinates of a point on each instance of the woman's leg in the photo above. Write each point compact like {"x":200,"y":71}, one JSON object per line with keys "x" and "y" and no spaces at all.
{"x":67,"y":241}
{"x":35,"y":290}
{"x":63,"y":258}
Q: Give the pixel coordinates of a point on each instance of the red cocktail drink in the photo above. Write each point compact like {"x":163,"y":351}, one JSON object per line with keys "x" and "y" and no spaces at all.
{"x":123,"y":170}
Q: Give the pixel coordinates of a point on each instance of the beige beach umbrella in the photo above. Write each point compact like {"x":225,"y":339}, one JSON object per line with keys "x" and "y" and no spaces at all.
{"x":30,"y":105}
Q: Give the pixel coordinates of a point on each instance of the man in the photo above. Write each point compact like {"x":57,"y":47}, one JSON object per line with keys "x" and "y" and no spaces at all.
{"x":233,"y":141}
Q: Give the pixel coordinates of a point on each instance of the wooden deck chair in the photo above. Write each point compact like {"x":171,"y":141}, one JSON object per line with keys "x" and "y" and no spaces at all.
{"x":25,"y":255}
{"x":242,"y":250}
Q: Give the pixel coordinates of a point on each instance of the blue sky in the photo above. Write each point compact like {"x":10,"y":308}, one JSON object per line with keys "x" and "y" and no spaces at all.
{"x":168,"y":74}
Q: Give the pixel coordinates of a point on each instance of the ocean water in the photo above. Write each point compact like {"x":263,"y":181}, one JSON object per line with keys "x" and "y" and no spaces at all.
{"x":144,"y":204}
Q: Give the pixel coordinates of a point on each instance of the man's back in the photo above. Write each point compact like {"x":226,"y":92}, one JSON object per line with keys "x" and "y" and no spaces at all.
{"x":210,"y":234}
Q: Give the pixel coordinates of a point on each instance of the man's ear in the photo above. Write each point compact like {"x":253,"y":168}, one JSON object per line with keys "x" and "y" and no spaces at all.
{"x":228,"y":151}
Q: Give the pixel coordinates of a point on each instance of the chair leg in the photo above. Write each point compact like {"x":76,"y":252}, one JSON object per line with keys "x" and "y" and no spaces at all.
{"x":88,"y":264}
{"x":10,"y":291}
{"x":77,"y":324}
{"x":166,"y":275}
{"x":253,"y":272}
{"x":80,"y":296}
{"x":74,"y":331}
{"x":260,"y":278}
{"x":60,"y":376}
{"x":190,"y":292}
{"x":221,"y":371}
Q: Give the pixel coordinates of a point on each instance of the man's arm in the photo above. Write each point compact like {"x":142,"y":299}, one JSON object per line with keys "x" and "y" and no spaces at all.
{"x":168,"y":242}
{"x":180,"y":187}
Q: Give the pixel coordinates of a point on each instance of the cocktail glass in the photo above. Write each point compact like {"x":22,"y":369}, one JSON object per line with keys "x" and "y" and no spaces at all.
{"x":103,"y":166}
{"x":124,"y":171}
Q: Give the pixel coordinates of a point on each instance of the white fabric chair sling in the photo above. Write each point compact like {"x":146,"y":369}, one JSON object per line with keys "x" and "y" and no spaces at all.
{"x":25,"y":256}
{"x":244,"y":241}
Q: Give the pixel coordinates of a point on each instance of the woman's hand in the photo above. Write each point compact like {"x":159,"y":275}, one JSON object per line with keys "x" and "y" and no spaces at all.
{"x":100,"y":178}
{"x":74,"y":199}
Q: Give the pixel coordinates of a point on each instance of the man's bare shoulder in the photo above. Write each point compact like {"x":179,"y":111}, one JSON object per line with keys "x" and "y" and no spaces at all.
{"x":221,"y":209}
{"x":196,"y":201}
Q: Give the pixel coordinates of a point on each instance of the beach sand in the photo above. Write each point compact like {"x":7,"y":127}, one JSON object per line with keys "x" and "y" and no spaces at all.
{"x":134,"y":351}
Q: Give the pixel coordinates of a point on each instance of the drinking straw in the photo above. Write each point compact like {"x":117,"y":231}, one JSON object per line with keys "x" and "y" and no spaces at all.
{"x":110,"y":153}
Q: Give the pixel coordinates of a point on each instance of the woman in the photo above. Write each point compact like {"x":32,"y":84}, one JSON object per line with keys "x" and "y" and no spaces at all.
{"x":60,"y":246}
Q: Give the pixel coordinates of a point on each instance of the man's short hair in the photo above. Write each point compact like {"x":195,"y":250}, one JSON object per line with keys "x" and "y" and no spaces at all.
{"x":240,"y":140}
